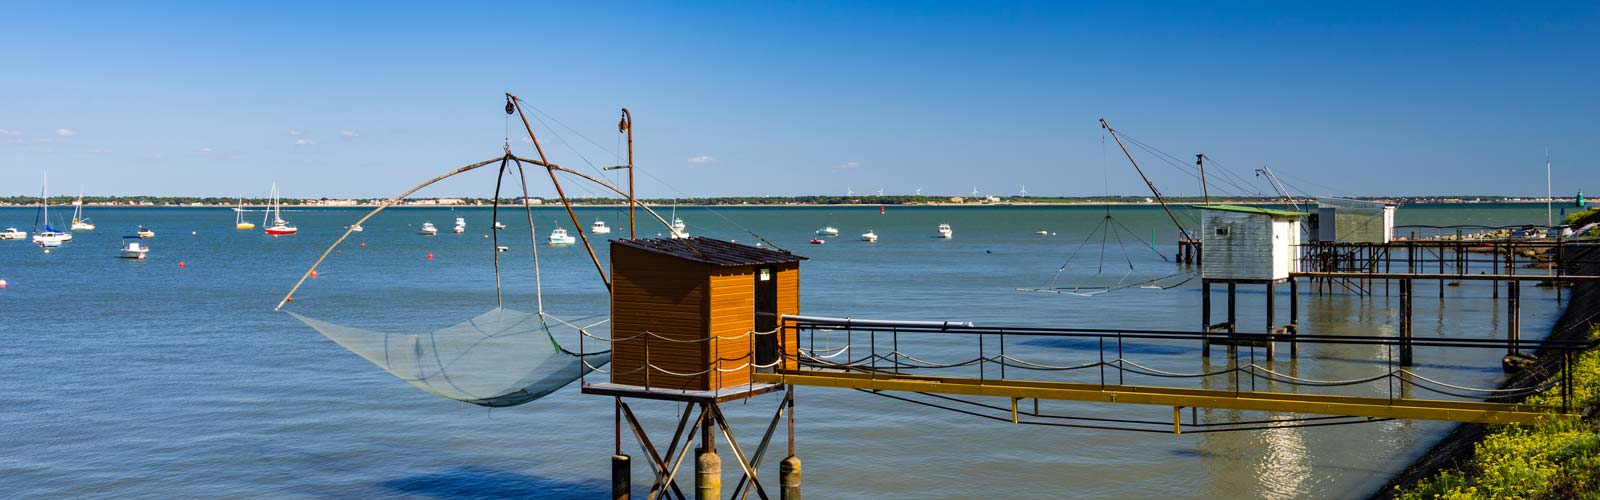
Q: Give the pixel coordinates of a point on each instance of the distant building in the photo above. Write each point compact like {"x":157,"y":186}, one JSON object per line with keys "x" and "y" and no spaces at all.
{"x":531,"y":201}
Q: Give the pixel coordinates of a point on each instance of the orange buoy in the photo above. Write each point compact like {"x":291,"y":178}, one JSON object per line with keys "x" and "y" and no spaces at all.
{"x":290,"y":299}
{"x":313,"y":273}
{"x":2,"y":283}
{"x":182,"y":264}
{"x":363,"y":244}
{"x":430,"y":255}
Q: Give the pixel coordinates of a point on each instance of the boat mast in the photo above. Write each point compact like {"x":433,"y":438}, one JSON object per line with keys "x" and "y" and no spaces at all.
{"x":1549,"y":203}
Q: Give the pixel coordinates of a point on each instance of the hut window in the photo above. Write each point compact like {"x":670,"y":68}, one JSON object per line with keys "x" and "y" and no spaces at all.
{"x":766,"y":274}
{"x":1222,"y":231}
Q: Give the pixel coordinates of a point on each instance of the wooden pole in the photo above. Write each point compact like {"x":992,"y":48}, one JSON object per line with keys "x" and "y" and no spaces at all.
{"x":576,"y":226}
{"x":627,"y":126}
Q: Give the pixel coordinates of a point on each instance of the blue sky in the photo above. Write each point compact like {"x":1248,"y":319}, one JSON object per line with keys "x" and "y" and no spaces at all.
{"x":768,"y":98}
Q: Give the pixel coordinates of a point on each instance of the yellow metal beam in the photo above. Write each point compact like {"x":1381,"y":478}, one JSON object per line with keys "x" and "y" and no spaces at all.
{"x":1419,"y":409}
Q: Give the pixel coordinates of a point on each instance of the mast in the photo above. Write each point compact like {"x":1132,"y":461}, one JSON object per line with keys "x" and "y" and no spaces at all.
{"x":1549,"y":196}
{"x":1200,"y":161}
{"x":1147,"y":182}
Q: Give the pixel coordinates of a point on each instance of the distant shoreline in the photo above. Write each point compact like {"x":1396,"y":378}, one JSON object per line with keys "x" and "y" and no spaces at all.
{"x":303,"y":204}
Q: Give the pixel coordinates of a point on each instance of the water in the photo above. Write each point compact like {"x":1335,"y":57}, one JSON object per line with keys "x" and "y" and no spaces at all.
{"x":128,"y":379}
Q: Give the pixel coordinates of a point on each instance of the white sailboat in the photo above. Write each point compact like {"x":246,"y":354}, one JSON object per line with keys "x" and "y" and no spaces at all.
{"x":238,"y":218}
{"x":79,"y":223}
{"x":678,"y":226}
{"x":48,"y":236}
{"x":279,"y":226}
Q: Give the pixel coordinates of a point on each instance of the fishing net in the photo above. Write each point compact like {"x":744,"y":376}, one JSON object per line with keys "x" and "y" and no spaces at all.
{"x":501,"y":358}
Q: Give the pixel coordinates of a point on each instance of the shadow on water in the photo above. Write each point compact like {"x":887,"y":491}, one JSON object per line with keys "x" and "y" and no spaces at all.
{"x":472,"y":483}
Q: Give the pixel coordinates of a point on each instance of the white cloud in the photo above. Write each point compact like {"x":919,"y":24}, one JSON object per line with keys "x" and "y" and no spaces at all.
{"x":304,"y":142}
{"x":703,"y":159}
{"x":66,"y":132}
{"x":11,"y":136}
{"x":349,"y":133}
{"x":98,"y":151}
{"x":849,"y":165}
{"x":203,"y":150}
{"x":296,"y":133}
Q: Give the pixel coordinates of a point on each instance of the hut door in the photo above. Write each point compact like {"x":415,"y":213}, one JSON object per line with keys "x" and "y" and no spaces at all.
{"x":766,"y":316}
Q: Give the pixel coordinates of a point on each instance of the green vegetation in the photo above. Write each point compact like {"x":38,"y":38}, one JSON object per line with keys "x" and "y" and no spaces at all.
{"x":1578,"y":219}
{"x":1555,"y":459}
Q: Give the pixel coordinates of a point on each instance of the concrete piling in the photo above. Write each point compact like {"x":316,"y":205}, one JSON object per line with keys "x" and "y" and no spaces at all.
{"x":621,"y":480}
{"x":789,"y":478}
{"x":707,"y":475}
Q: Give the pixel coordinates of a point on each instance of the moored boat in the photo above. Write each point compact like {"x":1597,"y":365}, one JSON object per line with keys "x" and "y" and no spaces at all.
{"x":559,"y":236}
{"x":133,"y":247}
{"x":428,"y":229}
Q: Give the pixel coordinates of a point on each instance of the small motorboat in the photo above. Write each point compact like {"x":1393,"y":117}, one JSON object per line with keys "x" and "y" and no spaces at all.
{"x":428,"y":229}
{"x":12,"y":233}
{"x":499,"y":225}
{"x":1042,"y":232}
{"x":132,"y":248}
{"x":559,"y":236}
{"x":502,"y":248}
{"x":818,"y":241}
{"x":145,"y":232}
{"x":356,"y":228}
{"x":828,"y":231}
{"x":869,"y":236}
{"x":944,"y":231}
{"x":599,"y":227}
{"x":461,"y":226}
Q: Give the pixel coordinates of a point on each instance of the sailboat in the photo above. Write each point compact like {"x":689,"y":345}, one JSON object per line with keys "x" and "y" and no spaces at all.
{"x":678,"y":226}
{"x":49,"y":236}
{"x":78,"y":222}
{"x":279,"y":226}
{"x":238,"y":218}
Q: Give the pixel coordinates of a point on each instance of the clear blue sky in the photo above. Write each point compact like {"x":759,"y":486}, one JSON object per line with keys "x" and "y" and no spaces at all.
{"x":765,"y":98}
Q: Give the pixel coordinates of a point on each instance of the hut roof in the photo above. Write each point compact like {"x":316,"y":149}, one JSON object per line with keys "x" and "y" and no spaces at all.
{"x":712,"y":251}
{"x":1254,"y":210}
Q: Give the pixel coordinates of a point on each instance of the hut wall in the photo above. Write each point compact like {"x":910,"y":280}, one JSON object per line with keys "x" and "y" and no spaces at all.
{"x":665,"y":296}
{"x":733,"y":306}
{"x":1357,"y":221}
{"x":1238,"y":246}
{"x":789,"y":303}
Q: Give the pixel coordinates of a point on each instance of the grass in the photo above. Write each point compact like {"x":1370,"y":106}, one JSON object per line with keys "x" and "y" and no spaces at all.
{"x":1580,"y":218}
{"x":1554,"y":459}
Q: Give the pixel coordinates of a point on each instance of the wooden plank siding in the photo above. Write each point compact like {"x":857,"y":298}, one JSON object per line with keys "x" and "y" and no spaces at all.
{"x":788,"y":276}
{"x":733,"y":306}
{"x":667,"y":297}
{"x":690,"y":302}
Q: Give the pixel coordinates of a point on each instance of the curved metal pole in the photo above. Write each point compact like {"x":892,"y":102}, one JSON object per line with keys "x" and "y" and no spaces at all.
{"x":386,"y":204}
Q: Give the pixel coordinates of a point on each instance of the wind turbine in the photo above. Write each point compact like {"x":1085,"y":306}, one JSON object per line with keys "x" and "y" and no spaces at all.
{"x":919,"y":191}
{"x":974,"y":191}
{"x":1023,"y":193}
{"x":880,"y":191}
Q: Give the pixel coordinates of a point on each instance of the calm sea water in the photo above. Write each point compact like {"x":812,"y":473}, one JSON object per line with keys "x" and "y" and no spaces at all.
{"x":147,"y":379}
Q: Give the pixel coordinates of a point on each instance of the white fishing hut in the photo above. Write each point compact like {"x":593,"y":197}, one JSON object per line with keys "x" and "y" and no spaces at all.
{"x":1249,"y":244}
